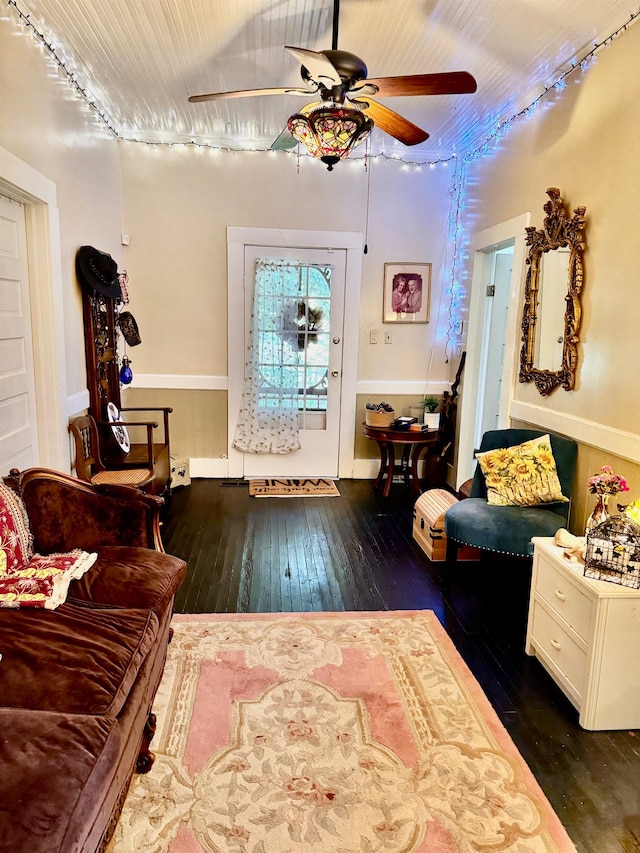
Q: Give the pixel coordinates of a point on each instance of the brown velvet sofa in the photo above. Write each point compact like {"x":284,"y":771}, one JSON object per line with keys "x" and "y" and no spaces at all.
{"x":77,"y":683}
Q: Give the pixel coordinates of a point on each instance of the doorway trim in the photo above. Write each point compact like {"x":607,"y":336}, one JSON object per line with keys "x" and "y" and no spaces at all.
{"x":352,"y":242}
{"x":38,"y":195}
{"x":482,"y":245}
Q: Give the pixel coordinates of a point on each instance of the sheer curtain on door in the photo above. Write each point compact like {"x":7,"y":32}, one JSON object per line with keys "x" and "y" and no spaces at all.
{"x":268,"y":418}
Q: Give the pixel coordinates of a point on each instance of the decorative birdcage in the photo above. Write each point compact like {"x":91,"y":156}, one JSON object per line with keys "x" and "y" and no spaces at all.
{"x":613,"y":552}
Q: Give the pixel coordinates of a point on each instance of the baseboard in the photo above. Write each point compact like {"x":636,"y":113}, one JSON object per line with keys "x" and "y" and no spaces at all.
{"x":218,"y":469}
{"x":365,"y":469}
{"x":208,"y":468}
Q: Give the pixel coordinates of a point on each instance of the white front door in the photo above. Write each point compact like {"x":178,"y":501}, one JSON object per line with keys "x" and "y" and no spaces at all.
{"x":320,"y":302}
{"x":18,"y":425}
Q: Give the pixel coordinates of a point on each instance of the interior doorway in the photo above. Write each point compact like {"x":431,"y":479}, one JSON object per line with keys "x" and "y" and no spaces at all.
{"x":38,"y":194}
{"x":493,"y":337}
{"x":495,"y":316}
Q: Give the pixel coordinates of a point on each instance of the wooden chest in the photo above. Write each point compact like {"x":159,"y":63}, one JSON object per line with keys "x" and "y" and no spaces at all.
{"x":428,"y":525}
{"x":428,"y":522}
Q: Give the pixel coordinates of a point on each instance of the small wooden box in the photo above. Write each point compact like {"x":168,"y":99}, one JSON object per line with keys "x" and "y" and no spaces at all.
{"x":180,"y":475}
{"x":428,"y":522}
{"x":428,"y":525}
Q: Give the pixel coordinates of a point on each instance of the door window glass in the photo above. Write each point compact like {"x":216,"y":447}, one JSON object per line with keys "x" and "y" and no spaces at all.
{"x":296,"y":315}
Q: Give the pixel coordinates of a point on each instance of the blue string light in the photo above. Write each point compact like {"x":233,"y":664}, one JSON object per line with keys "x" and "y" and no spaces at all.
{"x":460,"y":236}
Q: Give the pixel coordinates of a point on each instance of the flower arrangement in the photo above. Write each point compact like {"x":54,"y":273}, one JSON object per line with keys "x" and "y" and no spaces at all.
{"x":606,"y":482}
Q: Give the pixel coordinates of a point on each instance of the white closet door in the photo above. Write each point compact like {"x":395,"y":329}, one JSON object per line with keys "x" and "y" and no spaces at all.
{"x":18,"y":424}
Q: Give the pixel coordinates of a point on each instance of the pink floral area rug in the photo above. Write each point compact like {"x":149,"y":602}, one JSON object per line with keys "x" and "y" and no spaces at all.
{"x":329,"y":732}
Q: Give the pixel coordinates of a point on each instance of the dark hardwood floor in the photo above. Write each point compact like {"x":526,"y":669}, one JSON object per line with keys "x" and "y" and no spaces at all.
{"x":356,"y":552}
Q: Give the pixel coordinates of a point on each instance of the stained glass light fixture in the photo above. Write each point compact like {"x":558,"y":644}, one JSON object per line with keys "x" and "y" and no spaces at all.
{"x":330,"y":132}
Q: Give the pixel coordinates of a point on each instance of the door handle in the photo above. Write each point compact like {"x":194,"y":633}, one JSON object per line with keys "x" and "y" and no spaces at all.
{"x":336,"y":340}
{"x":335,"y":373}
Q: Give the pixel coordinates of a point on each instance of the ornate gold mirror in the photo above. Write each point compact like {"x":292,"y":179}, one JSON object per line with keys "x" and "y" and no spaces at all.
{"x":552,"y":311}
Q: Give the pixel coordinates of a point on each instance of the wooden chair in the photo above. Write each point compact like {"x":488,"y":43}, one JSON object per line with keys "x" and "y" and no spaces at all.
{"x":91,"y":468}
{"x":140,"y":451}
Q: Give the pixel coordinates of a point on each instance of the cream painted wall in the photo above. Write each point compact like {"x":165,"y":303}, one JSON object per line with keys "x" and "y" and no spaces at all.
{"x":586,"y":142}
{"x":178,"y":204}
{"x":45,"y":125}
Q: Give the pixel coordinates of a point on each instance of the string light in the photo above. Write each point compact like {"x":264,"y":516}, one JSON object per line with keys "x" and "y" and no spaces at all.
{"x":81,"y":91}
{"x":454,"y":282}
{"x":417,"y":165}
{"x":69,"y":76}
{"x":454,"y":239}
{"x":458,"y":236}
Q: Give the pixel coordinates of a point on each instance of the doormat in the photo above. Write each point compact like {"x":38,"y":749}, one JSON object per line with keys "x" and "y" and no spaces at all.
{"x":287,"y":488}
{"x":329,"y":732}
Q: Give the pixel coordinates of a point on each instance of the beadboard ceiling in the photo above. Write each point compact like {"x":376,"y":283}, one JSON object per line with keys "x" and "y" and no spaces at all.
{"x":139,"y":60}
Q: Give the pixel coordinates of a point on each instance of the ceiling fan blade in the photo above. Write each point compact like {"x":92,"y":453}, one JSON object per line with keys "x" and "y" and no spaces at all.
{"x":393,"y":123}
{"x":250,"y":93}
{"x":318,"y":65}
{"x":447,"y":83}
{"x":284,"y":142}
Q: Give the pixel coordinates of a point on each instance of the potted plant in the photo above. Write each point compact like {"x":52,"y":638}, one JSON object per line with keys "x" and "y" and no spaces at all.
{"x":431,"y":415}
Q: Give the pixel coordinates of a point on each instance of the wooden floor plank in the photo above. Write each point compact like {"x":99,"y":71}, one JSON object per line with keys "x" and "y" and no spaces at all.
{"x":356,"y":552}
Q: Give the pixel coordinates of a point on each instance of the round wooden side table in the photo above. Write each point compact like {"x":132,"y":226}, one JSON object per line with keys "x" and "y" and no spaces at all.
{"x":412,"y":444}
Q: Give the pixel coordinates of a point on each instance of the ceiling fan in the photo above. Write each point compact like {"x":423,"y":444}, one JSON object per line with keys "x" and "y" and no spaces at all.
{"x":329,"y":129}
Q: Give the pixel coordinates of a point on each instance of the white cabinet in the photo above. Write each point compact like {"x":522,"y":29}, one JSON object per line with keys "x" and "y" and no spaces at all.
{"x":586,"y":633}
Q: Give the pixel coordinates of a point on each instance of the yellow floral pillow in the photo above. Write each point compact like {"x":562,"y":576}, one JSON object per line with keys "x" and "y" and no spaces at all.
{"x":524,"y":475}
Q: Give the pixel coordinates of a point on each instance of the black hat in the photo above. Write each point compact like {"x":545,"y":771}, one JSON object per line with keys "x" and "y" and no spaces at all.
{"x":99,"y":271}
{"x":129,"y":328}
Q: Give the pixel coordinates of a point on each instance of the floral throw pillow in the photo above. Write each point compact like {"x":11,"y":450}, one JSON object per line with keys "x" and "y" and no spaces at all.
{"x":524,"y":475}
{"x":15,"y":537}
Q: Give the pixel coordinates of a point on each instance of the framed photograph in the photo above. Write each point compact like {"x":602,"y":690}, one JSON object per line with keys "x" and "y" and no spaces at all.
{"x":407,"y":293}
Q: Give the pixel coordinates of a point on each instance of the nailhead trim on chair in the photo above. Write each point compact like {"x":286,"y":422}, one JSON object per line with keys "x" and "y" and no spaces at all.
{"x":492,"y":550}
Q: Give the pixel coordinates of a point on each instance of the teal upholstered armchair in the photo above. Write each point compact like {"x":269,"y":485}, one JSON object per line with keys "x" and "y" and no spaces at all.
{"x":508,"y":529}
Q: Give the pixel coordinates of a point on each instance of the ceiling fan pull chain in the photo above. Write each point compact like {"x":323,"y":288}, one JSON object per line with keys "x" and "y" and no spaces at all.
{"x":367,"y":168}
